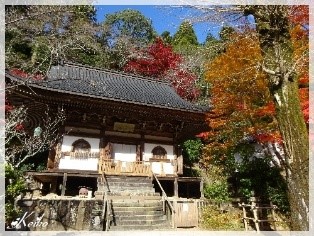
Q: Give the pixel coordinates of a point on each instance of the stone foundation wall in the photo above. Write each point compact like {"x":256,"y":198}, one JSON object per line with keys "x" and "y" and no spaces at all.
{"x":61,"y":215}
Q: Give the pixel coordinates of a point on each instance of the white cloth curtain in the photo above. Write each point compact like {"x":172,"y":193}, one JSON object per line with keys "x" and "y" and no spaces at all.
{"x":124,"y":152}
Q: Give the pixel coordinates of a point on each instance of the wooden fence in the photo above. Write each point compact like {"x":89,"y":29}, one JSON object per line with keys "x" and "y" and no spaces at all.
{"x":187,"y":213}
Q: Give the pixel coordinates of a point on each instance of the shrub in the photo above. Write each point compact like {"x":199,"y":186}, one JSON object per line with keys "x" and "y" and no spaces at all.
{"x":217,"y":191}
{"x":214,"y":219}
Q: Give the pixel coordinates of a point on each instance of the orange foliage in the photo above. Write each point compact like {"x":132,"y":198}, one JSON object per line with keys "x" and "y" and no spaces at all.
{"x":242,"y":105}
{"x":300,"y":43}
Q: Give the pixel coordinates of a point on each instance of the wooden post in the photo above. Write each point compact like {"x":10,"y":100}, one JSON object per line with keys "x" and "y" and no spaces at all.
{"x":176,"y":187}
{"x":180,"y":164}
{"x":51,"y":157}
{"x":202,"y":188}
{"x":255,"y":214}
{"x":58,"y":155}
{"x":65,"y":175}
{"x":162,"y":169}
{"x":244,"y":216}
{"x":53,"y":188}
{"x":188,"y":189}
{"x":273,"y":214}
{"x":142,"y":147}
{"x":174,"y":214}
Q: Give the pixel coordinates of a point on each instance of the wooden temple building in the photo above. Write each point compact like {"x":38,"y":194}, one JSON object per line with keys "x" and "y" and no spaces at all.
{"x":116,"y":125}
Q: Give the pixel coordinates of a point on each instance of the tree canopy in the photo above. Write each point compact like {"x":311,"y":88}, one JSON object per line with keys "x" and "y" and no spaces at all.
{"x":37,"y":36}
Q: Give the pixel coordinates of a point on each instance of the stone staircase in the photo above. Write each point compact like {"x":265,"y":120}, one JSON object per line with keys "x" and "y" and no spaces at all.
{"x":135,"y":204}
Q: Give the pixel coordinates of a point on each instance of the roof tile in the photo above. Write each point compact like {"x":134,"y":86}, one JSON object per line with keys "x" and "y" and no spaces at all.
{"x":112,"y":85}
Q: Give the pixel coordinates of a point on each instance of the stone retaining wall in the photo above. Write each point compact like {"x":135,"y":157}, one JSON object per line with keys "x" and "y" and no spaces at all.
{"x":61,"y":215}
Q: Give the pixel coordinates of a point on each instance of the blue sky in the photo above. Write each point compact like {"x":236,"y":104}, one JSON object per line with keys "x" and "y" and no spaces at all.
{"x":164,"y":18}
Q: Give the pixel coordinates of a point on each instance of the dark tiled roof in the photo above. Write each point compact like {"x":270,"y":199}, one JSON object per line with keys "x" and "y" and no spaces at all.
{"x":110,"y":85}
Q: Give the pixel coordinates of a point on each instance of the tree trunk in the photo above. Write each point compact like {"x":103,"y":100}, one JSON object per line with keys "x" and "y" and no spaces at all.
{"x":273,"y":30}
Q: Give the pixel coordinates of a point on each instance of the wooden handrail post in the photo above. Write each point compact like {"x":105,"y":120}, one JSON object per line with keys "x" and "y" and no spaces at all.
{"x":164,"y":195}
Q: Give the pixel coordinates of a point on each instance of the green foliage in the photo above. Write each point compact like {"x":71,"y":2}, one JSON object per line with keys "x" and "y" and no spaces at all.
{"x":41,"y":54}
{"x":214,"y":219}
{"x":191,"y":172}
{"x":38,"y":36}
{"x":247,"y":176}
{"x":217,"y":191}
{"x":192,"y":150}
{"x":130,"y":24}
{"x":185,"y":36}
{"x":166,"y":37}
{"x":226,"y":32}
{"x":87,"y":11}
{"x":14,"y":185}
{"x":257,"y":177}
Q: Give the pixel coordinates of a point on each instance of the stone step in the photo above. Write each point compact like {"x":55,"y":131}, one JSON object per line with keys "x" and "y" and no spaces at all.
{"x":143,"y":203}
{"x":132,"y":190}
{"x":126,"y":186}
{"x":141,"y":222}
{"x":130,"y":193}
{"x":163,"y":226}
{"x":130,"y":184}
{"x":139,"y":217}
{"x":137,"y":210}
{"x":156,"y":196}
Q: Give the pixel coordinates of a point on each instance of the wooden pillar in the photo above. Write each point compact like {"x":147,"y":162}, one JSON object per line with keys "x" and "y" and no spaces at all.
{"x":176,"y":187}
{"x":58,"y":153}
{"x":142,"y":147}
{"x":188,"y":189}
{"x":102,"y":146}
{"x":51,"y":157}
{"x":202,"y":188}
{"x":65,"y":176}
{"x":54,"y":183}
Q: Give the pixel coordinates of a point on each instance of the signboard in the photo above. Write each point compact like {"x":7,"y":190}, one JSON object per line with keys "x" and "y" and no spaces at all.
{"x":123,"y":127}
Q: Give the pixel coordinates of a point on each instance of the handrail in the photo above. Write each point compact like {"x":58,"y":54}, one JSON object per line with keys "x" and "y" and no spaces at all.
{"x":107,"y":211}
{"x":109,"y":214}
{"x":104,"y":208}
{"x":166,"y":198}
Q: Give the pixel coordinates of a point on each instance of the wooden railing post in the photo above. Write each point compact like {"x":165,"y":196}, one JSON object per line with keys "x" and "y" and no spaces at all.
{"x":173,"y":212}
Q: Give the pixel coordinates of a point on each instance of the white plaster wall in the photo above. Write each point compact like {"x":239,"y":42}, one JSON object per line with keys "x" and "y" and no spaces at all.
{"x":78,"y":164}
{"x":148,"y":147}
{"x":157,"y":167}
{"x":69,"y":140}
{"x":124,"y":152}
{"x":167,"y":167}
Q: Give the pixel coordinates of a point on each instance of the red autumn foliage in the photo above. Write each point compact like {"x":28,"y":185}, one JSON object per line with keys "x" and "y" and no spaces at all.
{"x":154,"y":61}
{"x":22,"y":74}
{"x":267,"y":110}
{"x":304,"y":99}
{"x":8,"y":106}
{"x":203,"y":135}
{"x":184,"y":83}
{"x":19,"y":127}
{"x":161,"y":62}
{"x":19,"y":73}
{"x":268,"y":137}
{"x":299,"y":14}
